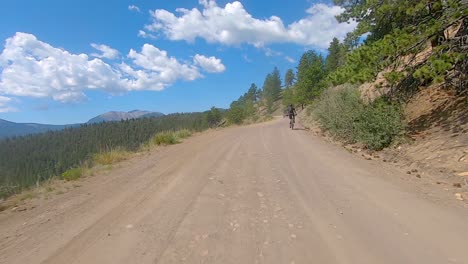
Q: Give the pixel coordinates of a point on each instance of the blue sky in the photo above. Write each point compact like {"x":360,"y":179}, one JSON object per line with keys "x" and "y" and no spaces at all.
{"x":67,"y":61}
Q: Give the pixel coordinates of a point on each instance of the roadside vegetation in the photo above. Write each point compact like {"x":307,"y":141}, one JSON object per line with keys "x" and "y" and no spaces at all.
{"x":110,"y":157}
{"x":30,"y":160}
{"x":342,"y":112}
{"x":72,"y":174}
{"x":411,"y":44}
{"x":169,"y":137}
{"x":257,"y":104}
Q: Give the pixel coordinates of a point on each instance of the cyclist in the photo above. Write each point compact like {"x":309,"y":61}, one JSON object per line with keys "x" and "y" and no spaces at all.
{"x":292,"y":114}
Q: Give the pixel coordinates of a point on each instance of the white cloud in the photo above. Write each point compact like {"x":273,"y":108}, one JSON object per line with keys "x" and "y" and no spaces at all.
{"x":134,"y":8}
{"x":145,"y":34}
{"x":272,"y":53}
{"x":32,"y":68}
{"x":209,"y":64}
{"x":156,"y":69}
{"x":320,"y":26}
{"x":289,"y":59}
{"x":36,"y":69}
{"x":4,"y":107}
{"x":4,"y":100}
{"x":233,"y":25}
{"x":106,"y":51}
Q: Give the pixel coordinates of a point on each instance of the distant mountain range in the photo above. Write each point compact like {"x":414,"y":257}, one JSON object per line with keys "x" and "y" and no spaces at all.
{"x":117,"y":116}
{"x":11,"y":129}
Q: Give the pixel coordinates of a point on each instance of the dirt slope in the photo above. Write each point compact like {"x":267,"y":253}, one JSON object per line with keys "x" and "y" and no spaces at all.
{"x":256,"y":194}
{"x":438,"y":126}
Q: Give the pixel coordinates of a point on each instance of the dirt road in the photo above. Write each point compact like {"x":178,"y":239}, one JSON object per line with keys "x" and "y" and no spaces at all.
{"x":256,"y":194}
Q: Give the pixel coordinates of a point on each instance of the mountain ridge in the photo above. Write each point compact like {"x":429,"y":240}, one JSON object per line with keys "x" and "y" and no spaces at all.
{"x":120,"y":115}
{"x":13,"y":129}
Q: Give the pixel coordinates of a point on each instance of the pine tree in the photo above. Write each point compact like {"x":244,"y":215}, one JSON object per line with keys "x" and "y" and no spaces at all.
{"x":253,"y":93}
{"x":335,"y":56}
{"x":289,"y":96}
{"x":310,"y":74}
{"x":289,"y":78}
{"x":398,"y":28}
{"x":272,"y":88}
{"x":275,"y":84}
{"x":213,"y":116}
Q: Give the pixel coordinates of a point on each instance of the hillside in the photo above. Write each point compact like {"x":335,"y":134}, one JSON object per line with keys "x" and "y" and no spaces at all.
{"x":437,"y":135}
{"x":11,"y":129}
{"x":29,"y":160}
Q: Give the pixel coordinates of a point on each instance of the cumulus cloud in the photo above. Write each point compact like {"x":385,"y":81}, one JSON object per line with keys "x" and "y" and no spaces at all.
{"x":154,"y":68}
{"x":106,"y":51}
{"x":134,"y":8}
{"x":32,"y":68}
{"x":209,"y":64}
{"x":233,"y":25}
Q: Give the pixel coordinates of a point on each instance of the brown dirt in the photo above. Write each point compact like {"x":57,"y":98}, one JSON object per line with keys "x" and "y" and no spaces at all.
{"x":438,"y":129}
{"x":256,"y":194}
{"x":436,"y":151}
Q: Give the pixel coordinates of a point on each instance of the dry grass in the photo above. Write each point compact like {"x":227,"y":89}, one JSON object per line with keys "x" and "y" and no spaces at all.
{"x":111,"y":157}
{"x":168,"y":138}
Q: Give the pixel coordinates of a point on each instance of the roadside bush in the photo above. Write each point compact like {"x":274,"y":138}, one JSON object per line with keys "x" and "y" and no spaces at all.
{"x":338,"y":109}
{"x":341,"y":111}
{"x":72,"y":174}
{"x":165,"y":138}
{"x":236,"y":115}
{"x":379,"y":124}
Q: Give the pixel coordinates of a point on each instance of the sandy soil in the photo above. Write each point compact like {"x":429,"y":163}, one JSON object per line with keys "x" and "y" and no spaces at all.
{"x":255,"y":194}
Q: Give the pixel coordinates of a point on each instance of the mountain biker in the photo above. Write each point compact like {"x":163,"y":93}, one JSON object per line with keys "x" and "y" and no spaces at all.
{"x":292,"y":112}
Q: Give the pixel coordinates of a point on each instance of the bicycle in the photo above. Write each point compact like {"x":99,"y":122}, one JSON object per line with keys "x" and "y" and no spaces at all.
{"x":291,"y":122}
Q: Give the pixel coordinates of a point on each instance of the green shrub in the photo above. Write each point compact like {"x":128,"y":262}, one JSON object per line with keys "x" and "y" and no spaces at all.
{"x":236,"y":115}
{"x":337,"y":110}
{"x":379,"y":124}
{"x":165,"y":138}
{"x":72,"y":174}
{"x":341,"y":111}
